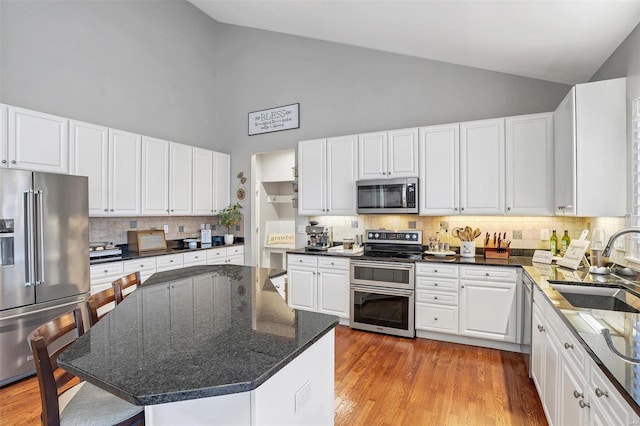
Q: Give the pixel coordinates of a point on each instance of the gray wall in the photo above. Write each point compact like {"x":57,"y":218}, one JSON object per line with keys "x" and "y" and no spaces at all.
{"x":146,"y":67}
{"x":165,"y":69}
{"x":624,"y":62}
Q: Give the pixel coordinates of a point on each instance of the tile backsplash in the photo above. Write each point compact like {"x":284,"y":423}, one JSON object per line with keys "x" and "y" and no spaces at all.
{"x":523,"y":231}
{"x":114,"y":229}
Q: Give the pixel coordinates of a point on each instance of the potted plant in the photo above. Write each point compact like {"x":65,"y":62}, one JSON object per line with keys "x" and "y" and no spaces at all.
{"x":229,"y":218}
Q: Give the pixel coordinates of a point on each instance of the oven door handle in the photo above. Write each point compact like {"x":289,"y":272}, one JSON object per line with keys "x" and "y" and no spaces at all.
{"x":382,"y":265}
{"x":382,"y":290}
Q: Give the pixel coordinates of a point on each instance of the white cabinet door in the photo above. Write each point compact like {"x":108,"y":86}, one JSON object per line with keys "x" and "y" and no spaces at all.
{"x":342,"y":171}
{"x":89,"y":156}
{"x":529,"y":162}
{"x":38,"y":141}
{"x":4,"y":153}
{"x":565,"y":154}
{"x":203,"y":191}
{"x":572,"y":391}
{"x":551,"y":362}
{"x":488,"y":310}
{"x":302,"y":288}
{"x":372,"y":155}
{"x":333,"y":292}
{"x":217,"y":256}
{"x":538,"y":339}
{"x":155,"y":176}
{"x":169,"y":262}
{"x":311,"y":177}
{"x":180,"y":175}
{"x":439,"y":152}
{"x":438,"y":318}
{"x":402,"y":153}
{"x":222,"y":176}
{"x":482,"y":174}
{"x":125,"y":151}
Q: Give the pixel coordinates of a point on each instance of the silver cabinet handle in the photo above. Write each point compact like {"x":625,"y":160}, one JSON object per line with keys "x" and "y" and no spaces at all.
{"x":455,"y":209}
{"x":568,"y":345}
{"x":435,"y":297}
{"x":600,"y":393}
{"x":583,"y":404}
{"x":106,"y":271}
{"x":13,"y":161}
{"x":435,"y":271}
{"x":486,"y":274}
{"x":4,"y":161}
{"x":106,"y":210}
{"x":540,"y":328}
{"x":111,"y":209}
{"x":435,"y":284}
{"x":435,"y":318}
{"x":462,"y":209}
{"x":577,"y":394}
{"x":508,"y":209}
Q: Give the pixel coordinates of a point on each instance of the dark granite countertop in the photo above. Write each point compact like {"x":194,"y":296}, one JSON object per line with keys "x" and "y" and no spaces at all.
{"x":131,"y":255}
{"x":192,"y":333}
{"x":623,"y":325}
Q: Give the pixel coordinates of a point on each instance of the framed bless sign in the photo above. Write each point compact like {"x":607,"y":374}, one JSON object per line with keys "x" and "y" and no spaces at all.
{"x":274,"y":119}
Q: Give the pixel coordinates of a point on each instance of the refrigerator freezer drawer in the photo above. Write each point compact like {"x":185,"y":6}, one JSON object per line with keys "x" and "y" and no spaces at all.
{"x":16,"y":360}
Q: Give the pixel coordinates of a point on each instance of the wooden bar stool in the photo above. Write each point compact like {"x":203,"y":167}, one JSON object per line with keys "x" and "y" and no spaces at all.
{"x":83,"y":403}
{"x":98,"y":302}
{"x":120,"y":285}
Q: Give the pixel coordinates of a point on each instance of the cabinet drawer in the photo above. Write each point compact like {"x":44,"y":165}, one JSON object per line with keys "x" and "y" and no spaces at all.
{"x":302,"y":260}
{"x":235,"y":251}
{"x":484,"y":273}
{"x":146,"y":264}
{"x":437,"y":298}
{"x":442,"y":284}
{"x":199,"y":257}
{"x":332,"y":262}
{"x":437,"y":270}
{"x":107,"y":270}
{"x":569,"y":345}
{"x":219,"y":254}
{"x":443,"y":319}
{"x":607,"y":397}
{"x":166,"y":263}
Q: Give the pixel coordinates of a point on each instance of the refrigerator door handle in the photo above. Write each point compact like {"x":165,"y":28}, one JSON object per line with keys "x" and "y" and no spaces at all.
{"x":39,"y":236}
{"x":29,"y":267}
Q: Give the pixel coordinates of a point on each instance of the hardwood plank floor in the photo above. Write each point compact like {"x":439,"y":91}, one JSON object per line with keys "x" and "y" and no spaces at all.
{"x":385,"y":380}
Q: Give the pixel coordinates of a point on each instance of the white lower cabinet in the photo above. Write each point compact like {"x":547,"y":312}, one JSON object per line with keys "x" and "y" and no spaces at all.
{"x":169,"y":262}
{"x":319,"y":283}
{"x":195,"y":258}
{"x":146,"y":266}
{"x":233,"y":255}
{"x":572,"y":388}
{"x":103,"y":275}
{"x":471,"y":301}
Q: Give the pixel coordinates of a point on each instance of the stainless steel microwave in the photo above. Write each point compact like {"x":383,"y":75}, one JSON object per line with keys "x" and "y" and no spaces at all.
{"x":387,"y":196}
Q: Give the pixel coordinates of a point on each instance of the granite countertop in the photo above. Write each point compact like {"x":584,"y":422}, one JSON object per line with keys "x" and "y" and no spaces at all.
{"x":131,"y":255}
{"x":623,"y":326}
{"x":192,"y":333}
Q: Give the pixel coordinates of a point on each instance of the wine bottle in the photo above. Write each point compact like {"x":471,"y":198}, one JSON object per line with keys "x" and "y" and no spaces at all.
{"x":554,"y":243}
{"x":565,"y":242}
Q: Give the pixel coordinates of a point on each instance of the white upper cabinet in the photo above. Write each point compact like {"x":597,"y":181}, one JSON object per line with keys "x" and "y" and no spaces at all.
{"x":439,"y":149}
{"x":591,"y":149}
{"x":392,"y":154}
{"x":482,"y":171}
{"x":203,"y":192}
{"x":327,"y":170}
{"x":125,"y":152}
{"x":89,"y":156}
{"x":529,"y":164}
{"x":37,"y":141}
{"x":402,"y":153}
{"x":155,"y":176}
{"x":222,"y":181}
{"x":180,"y":178}
{"x":4,"y":149}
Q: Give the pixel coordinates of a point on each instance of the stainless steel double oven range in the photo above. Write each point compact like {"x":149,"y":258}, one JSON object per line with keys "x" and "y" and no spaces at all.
{"x":382,"y":282}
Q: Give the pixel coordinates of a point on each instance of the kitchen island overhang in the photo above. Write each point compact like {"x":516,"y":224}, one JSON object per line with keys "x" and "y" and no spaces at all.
{"x":205,"y":331}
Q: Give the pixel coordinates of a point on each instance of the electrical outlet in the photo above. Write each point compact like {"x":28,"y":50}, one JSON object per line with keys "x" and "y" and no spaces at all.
{"x":301,"y":229}
{"x":166,"y":228}
{"x":303,"y":395}
{"x":412,"y":224}
{"x":544,"y":234}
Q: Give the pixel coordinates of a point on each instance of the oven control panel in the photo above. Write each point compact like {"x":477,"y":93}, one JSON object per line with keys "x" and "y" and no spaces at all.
{"x":395,"y":237}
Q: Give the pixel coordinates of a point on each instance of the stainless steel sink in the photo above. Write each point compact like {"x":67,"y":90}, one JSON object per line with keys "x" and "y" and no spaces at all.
{"x":609,"y":298}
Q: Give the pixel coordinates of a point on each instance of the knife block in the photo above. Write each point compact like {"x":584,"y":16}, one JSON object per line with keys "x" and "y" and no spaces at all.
{"x":493,"y":252}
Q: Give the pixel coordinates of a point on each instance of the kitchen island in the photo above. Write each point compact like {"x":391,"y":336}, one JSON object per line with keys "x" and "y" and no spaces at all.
{"x":212,"y":345}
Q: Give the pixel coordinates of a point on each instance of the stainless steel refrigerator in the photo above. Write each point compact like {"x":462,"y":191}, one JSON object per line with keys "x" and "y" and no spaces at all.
{"x":44,"y":258}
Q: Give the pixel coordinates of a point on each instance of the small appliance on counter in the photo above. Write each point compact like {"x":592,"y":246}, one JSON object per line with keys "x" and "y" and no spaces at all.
{"x":146,"y":240}
{"x":319,"y":237}
{"x":103,"y":252}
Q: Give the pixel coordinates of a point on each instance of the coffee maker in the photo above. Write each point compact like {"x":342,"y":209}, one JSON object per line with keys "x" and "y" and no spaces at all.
{"x":319,"y":237}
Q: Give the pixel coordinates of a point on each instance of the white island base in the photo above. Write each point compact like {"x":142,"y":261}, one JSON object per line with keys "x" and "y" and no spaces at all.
{"x":301,"y":393}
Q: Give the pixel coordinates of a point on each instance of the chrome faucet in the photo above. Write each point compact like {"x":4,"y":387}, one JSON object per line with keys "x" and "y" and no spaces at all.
{"x":607,"y":250}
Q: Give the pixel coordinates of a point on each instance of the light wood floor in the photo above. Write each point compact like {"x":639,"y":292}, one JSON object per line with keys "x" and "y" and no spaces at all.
{"x":385,"y":380}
